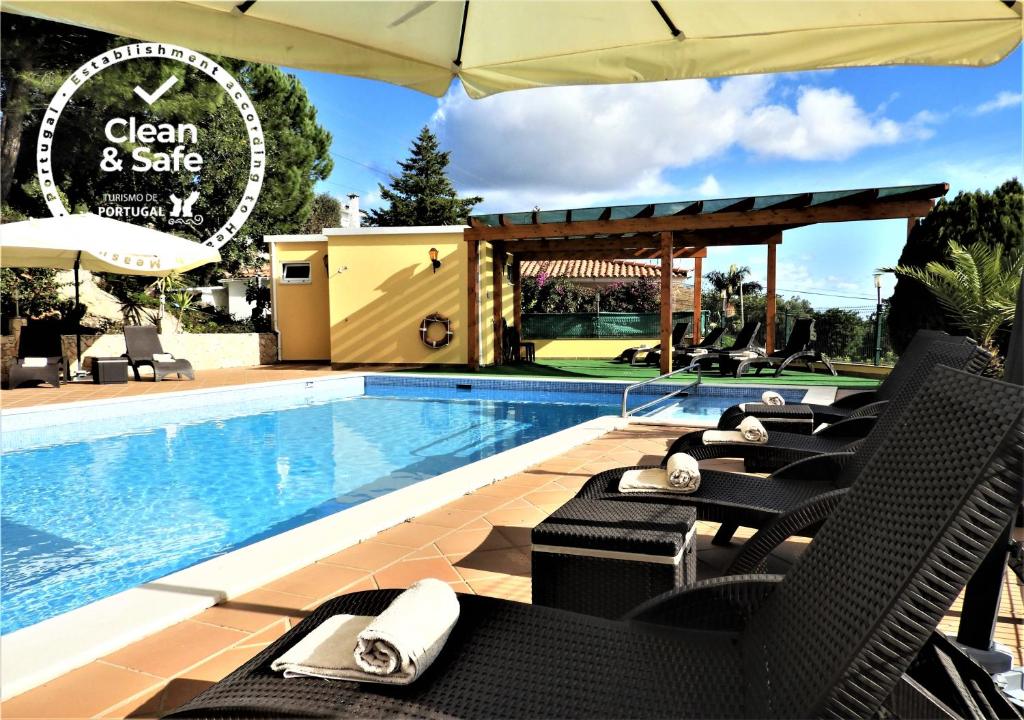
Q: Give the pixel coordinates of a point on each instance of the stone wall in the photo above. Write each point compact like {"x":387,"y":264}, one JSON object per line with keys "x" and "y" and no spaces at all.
{"x":205,"y":351}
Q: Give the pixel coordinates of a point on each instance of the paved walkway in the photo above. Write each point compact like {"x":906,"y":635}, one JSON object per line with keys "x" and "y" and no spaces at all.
{"x":478,"y":544}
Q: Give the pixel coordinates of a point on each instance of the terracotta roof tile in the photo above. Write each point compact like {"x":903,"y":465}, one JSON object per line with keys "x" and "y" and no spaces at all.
{"x":596,"y":269}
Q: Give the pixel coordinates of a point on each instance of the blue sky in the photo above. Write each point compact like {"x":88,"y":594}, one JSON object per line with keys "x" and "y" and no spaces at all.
{"x":579,"y":146}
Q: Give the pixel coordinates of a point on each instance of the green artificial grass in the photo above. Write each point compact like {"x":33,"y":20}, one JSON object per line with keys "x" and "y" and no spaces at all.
{"x":592,"y":369}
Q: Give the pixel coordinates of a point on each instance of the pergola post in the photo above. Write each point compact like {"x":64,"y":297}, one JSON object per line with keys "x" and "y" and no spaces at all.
{"x":666,"y":302}
{"x":473,"y":304}
{"x":497,"y":273}
{"x":517,"y":298}
{"x":697,"y":266}
{"x":769,"y":305}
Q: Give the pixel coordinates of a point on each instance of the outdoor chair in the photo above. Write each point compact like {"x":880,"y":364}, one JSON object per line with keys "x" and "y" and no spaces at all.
{"x":795,"y":499}
{"x":742,"y":348}
{"x":683,"y":356}
{"x":833,"y":637}
{"x":680,"y":331}
{"x":809,"y":416}
{"x":40,"y":357}
{"x":143,"y":343}
{"x":799,"y":347}
{"x":783,"y":447}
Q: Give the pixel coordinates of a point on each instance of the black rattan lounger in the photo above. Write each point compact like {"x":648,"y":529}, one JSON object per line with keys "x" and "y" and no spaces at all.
{"x":728,"y":359}
{"x":680,"y":331}
{"x":783,"y":448}
{"x":799,"y":348}
{"x":143,"y":343}
{"x":804,"y":415}
{"x":42,"y":343}
{"x":832,"y":638}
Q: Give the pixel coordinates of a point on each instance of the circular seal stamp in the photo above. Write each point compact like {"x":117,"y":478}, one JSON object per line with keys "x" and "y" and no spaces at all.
{"x":181,"y":214}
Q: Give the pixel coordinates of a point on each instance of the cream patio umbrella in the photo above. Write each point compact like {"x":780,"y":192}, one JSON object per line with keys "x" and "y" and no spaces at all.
{"x":71,"y":242}
{"x":499,"y":45}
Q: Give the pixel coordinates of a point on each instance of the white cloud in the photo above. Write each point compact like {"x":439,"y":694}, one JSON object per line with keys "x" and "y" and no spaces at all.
{"x":1004,"y":99}
{"x":574,"y":146}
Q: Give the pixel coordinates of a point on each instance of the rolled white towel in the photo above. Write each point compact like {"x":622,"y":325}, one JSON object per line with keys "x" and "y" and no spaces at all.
{"x":749,"y":431}
{"x":680,"y":475}
{"x":770,"y":397}
{"x":163,"y":357}
{"x":393,"y":648}
{"x":34,"y":362}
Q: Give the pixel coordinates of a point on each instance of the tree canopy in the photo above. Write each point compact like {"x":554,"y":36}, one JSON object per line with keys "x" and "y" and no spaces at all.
{"x":422,"y":194}
{"x":325,"y":212}
{"x":994,"y":218}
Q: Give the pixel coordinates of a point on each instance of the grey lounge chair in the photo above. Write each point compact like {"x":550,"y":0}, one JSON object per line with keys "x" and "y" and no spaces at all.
{"x":742,"y":348}
{"x":680,"y":331}
{"x":804,"y":417}
{"x":143,"y":343}
{"x":684,"y":355}
{"x":783,"y":448}
{"x":40,"y":341}
{"x":799,"y":348}
{"x":832,"y":638}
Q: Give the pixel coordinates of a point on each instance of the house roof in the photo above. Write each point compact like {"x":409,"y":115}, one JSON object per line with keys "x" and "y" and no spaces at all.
{"x":595,"y":269}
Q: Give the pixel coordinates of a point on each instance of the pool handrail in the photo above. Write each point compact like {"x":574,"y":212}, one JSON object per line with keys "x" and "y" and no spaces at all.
{"x":626,"y":412}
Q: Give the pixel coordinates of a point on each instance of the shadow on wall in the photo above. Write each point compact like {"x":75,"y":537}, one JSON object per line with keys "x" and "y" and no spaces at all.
{"x":386,"y":328}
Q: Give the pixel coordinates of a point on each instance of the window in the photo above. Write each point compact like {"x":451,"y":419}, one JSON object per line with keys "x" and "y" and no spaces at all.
{"x":296,"y":273}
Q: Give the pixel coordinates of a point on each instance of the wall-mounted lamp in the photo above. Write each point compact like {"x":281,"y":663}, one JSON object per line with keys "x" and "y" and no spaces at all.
{"x":433,"y":259}
{"x":341,"y":269}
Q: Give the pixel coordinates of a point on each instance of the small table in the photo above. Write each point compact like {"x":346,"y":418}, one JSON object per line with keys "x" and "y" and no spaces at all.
{"x":530,"y":354}
{"x":603,"y":557}
{"x":110,"y":370}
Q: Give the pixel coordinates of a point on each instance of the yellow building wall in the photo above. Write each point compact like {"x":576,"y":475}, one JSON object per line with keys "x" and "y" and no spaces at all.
{"x":379,"y":301}
{"x":588,"y":347}
{"x":301,"y":311}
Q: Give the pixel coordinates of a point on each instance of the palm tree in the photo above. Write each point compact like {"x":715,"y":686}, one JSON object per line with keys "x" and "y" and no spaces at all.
{"x":976,"y":286}
{"x":733,"y":282}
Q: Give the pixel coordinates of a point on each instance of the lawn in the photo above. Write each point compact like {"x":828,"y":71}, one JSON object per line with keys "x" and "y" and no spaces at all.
{"x":591,"y":369}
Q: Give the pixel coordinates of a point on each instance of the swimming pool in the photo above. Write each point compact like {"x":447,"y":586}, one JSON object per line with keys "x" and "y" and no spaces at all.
{"x":111,"y":501}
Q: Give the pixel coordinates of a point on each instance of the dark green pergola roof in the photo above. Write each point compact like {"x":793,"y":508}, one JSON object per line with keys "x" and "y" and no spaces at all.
{"x":864,"y":196}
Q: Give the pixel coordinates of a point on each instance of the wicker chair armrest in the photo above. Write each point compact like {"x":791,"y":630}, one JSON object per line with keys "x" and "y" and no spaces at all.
{"x":801,"y":519}
{"x":856,"y":400}
{"x":825,"y":467}
{"x":872,"y":409}
{"x":850,"y":427}
{"x":724,"y":603}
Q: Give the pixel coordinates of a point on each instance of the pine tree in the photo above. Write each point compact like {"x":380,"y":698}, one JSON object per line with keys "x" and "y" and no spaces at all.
{"x":423,"y":194}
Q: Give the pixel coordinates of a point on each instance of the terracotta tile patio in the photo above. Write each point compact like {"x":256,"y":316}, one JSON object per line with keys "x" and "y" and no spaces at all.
{"x":479,"y":544}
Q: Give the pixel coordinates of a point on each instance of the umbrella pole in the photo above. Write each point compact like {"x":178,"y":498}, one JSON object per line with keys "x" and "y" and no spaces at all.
{"x":78,"y":324}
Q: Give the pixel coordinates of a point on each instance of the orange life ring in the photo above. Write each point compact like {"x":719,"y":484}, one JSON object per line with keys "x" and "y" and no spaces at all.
{"x":438,"y":319}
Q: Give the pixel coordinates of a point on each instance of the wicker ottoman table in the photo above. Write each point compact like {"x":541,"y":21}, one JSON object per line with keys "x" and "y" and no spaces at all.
{"x":109,"y":370}
{"x":603,"y":557}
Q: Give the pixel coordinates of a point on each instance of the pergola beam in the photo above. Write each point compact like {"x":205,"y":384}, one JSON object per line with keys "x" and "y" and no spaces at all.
{"x":715,"y":221}
{"x":666,"y":302}
{"x":473,"y":309}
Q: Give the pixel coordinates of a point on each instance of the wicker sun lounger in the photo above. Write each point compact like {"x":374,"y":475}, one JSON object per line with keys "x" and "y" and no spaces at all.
{"x":799,"y":348}
{"x":729,"y":358}
{"x":143,"y":343}
{"x":804,"y":417}
{"x":783,"y":448}
{"x":831,"y":638}
{"x":41,"y":342}
{"x":797,"y":498}
{"x":680,"y":331}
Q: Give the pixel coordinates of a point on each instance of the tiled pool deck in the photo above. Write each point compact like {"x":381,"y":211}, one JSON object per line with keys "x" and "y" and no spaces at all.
{"x":479,"y":544}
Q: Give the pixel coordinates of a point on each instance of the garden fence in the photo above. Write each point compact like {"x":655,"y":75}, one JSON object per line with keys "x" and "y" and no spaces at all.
{"x":549,"y":326}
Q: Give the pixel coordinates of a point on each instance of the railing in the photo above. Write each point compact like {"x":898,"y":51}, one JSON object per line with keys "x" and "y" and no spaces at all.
{"x":626,"y":412}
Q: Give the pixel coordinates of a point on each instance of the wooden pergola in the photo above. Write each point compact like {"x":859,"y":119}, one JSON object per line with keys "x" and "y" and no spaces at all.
{"x":667,"y":231}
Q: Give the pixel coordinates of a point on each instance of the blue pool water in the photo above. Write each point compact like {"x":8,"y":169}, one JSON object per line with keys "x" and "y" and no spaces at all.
{"x":84,"y":520}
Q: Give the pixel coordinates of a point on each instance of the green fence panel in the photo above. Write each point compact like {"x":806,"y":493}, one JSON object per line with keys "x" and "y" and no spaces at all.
{"x":550,"y":326}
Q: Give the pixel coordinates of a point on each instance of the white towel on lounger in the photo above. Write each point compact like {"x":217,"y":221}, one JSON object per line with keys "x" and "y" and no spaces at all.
{"x":34,"y":362}
{"x":770,"y":397}
{"x":749,"y":431}
{"x":163,"y":357}
{"x":681,"y":475}
{"x":393,"y":648}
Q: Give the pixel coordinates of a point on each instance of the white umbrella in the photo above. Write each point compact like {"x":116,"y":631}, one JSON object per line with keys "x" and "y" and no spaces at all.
{"x":71,"y":242}
{"x":498,"y":45}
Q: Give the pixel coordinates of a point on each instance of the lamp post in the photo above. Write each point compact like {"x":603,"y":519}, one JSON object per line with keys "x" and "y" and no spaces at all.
{"x":743,"y":316}
{"x":878,"y":319}
{"x":723,"y":306}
